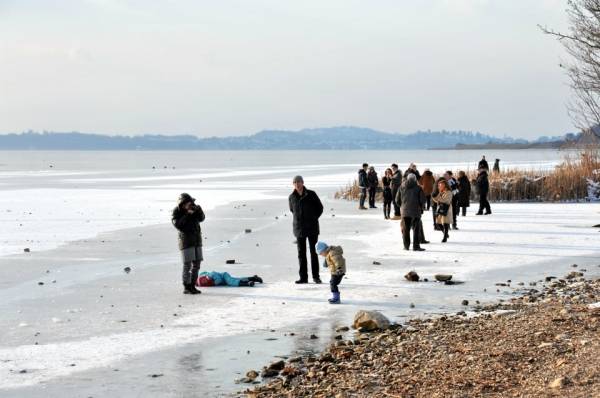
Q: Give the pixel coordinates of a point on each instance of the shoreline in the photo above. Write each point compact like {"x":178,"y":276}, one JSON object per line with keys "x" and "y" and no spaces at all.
{"x":541,"y":343}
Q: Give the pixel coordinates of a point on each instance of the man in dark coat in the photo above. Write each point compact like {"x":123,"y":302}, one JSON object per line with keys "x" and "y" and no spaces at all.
{"x":306,"y":207}
{"x":483,"y":187}
{"x":363,"y":185}
{"x":395,"y":185}
{"x":186,"y":217}
{"x":373,"y":185}
{"x":483,"y":164}
{"x":411,"y":199}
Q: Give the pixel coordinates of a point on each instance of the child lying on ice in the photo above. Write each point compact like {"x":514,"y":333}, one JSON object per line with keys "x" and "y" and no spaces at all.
{"x":213,"y":278}
{"x":335,"y":261}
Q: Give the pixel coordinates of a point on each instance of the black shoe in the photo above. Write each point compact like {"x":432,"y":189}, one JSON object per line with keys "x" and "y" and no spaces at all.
{"x":406,"y":248}
{"x":445,"y":240}
{"x":247,"y":283}
{"x":189,"y":288}
{"x":255,"y":278}
{"x":479,"y":214}
{"x":424,"y":242}
{"x":317,"y":281}
{"x":418,"y":249}
{"x":301,"y":281}
{"x":488,"y":213}
{"x":454,"y":226}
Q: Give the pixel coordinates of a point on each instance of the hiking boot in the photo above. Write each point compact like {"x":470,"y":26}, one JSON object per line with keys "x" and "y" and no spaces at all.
{"x":247,"y":283}
{"x":362,"y":208}
{"x":189,"y":288}
{"x":317,"y":281}
{"x":301,"y":282}
{"x":255,"y":278}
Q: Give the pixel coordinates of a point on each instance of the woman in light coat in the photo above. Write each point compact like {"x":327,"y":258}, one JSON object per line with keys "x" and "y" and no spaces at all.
{"x":444,"y":205}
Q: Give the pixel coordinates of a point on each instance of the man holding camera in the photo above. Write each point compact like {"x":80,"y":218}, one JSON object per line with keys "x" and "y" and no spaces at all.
{"x":187,"y":217}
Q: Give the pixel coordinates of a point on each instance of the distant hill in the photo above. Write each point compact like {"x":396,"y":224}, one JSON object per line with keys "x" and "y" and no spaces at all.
{"x":339,"y":138}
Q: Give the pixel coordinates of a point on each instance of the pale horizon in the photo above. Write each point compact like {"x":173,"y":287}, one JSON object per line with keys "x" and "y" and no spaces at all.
{"x":233,"y":68}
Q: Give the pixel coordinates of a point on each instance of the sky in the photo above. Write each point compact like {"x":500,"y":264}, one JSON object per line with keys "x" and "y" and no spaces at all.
{"x":235,"y":67}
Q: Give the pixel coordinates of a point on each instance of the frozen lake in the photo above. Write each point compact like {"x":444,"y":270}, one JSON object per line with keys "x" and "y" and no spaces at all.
{"x":93,"y":330}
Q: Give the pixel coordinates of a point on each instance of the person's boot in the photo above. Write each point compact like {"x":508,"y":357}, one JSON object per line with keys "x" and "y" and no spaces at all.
{"x":193,"y":289}
{"x":335,"y":299}
{"x":255,"y":278}
{"x":248,"y":283}
{"x":454,"y":226}
{"x":479,"y":213}
{"x":488,"y":212}
{"x":362,"y":208}
{"x":424,"y":242}
{"x":317,"y":280}
{"x":418,"y":249}
{"x":301,"y":281}
{"x":186,"y":289}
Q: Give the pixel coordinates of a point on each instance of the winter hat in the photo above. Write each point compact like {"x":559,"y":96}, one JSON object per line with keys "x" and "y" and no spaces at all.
{"x":321,"y":247}
{"x":298,"y":179}
{"x":185,"y":198}
{"x":411,"y":177}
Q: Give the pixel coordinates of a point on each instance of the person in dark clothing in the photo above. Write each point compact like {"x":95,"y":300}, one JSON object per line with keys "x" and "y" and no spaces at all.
{"x":444,"y":208}
{"x":373,"y":181}
{"x":427,"y":182}
{"x":186,"y":217}
{"x":306,"y":207}
{"x":395,"y":185}
{"x":464,"y":192}
{"x":411,"y":199}
{"x":454,"y":190}
{"x":496,"y":168}
{"x":412,"y":169}
{"x":387,"y":193}
{"x":434,"y":204}
{"x":363,"y":185}
{"x":483,"y":164}
{"x":483,"y":187}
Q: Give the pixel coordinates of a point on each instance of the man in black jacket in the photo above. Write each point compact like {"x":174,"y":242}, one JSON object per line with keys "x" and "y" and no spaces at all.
{"x":395,"y":185}
{"x":483,"y":187}
{"x":306,"y":207}
{"x":363,"y":185}
{"x":187,"y":217}
{"x":411,"y":199}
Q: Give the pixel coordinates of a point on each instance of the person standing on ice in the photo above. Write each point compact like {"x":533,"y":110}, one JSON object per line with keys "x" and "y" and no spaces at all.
{"x":387,"y":193}
{"x":444,"y":207}
{"x":335,"y":261}
{"x":395,"y":185}
{"x":306,"y":208}
{"x":411,"y":199}
{"x":483,"y":188}
{"x":373,"y":185}
{"x":187,"y":217}
{"x":464,"y":192}
{"x":363,"y":185}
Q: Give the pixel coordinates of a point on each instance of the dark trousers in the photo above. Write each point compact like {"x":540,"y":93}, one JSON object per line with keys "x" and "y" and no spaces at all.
{"x":387,"y":208}
{"x":427,"y":202}
{"x":421,"y":232}
{"x":483,"y":203}
{"x":454,"y":209}
{"x":396,"y":207}
{"x":190,"y":272}
{"x":464,"y":210}
{"x":334,"y":282}
{"x":407,"y":224}
{"x":314,"y":260}
{"x":434,"y":207}
{"x":372,"y":193}
{"x":363,"y":196}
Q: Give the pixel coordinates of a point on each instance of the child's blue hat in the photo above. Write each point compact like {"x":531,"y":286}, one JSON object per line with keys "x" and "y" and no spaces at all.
{"x":321,"y":247}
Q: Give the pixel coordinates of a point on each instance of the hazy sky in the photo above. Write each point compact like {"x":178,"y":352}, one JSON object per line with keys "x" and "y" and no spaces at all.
{"x":235,"y":67}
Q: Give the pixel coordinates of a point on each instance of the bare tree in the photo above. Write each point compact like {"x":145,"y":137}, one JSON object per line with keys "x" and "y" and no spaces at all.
{"x":582,"y":42}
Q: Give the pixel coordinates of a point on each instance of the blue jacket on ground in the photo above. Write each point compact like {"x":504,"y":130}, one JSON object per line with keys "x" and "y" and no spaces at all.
{"x":223,"y":278}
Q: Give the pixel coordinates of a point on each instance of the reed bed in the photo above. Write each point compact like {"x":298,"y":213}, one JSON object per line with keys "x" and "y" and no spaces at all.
{"x":575,"y":179}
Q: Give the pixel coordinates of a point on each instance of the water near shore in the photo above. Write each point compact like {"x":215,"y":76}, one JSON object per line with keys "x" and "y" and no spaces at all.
{"x":87,"y":215}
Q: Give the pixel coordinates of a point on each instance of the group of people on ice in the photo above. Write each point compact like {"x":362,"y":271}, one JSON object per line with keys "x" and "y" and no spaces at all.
{"x":410,"y":193}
